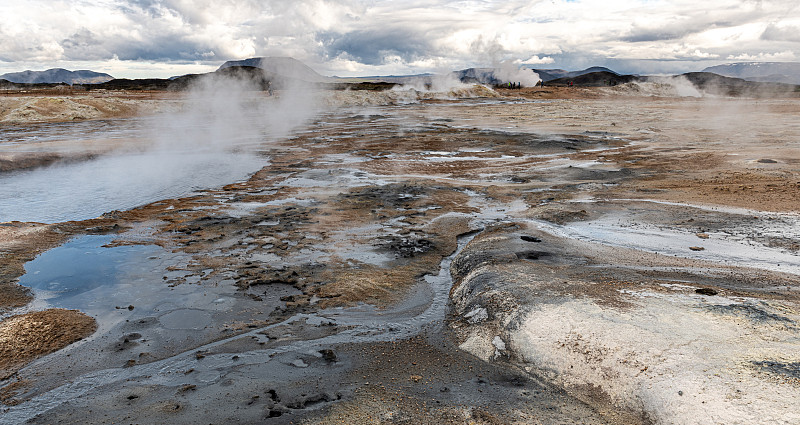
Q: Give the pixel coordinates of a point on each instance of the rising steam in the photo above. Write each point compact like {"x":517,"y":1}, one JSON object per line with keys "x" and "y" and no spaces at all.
{"x":510,"y":72}
{"x":214,"y":140}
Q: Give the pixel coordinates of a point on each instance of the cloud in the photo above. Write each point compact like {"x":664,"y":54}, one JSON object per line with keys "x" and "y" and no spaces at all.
{"x":381,"y":36}
{"x":536,"y":60}
{"x":786,"y":55}
{"x":372,"y":47}
{"x":775,"y":32}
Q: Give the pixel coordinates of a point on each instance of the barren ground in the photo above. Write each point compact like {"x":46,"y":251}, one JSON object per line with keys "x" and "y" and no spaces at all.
{"x":609,"y":258}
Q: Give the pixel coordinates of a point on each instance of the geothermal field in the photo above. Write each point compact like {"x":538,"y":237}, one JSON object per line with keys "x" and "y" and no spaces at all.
{"x":549,"y":255}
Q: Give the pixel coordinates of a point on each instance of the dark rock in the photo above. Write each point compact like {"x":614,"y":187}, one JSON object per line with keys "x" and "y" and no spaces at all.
{"x":705,"y":291}
{"x":328,"y":355}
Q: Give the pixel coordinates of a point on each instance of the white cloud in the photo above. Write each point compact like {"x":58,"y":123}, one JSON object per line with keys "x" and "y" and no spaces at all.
{"x":536,"y":60}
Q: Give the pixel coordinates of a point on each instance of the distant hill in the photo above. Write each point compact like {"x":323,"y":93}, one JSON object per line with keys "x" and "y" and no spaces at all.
{"x":776,"y":72}
{"x":593,"y":79}
{"x":282,"y":66}
{"x":255,"y":76}
{"x":57,"y":75}
{"x":554,"y":74}
{"x":727,"y":86}
{"x":550,"y":74}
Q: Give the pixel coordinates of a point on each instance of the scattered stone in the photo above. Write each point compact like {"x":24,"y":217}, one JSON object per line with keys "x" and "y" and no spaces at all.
{"x":527,"y":238}
{"x":697,"y":248}
{"x":416,"y":378}
{"x":706,"y":291}
{"x":767,"y":161}
{"x":702,"y":235}
{"x":499,"y":343}
{"x":477,"y":315}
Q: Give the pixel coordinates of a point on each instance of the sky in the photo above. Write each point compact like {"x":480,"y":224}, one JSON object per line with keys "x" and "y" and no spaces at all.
{"x":163,"y":38}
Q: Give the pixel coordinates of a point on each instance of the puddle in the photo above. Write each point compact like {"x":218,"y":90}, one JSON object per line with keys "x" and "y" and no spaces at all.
{"x":64,"y":275}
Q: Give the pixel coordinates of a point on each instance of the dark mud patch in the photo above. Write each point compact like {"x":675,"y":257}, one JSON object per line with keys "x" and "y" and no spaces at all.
{"x":425,"y":380}
{"x":406,"y":246}
{"x":541,"y":144}
{"x":532,"y":255}
{"x":389,"y":199}
{"x":780,"y":369}
{"x":749,"y":312}
{"x":563,"y":216}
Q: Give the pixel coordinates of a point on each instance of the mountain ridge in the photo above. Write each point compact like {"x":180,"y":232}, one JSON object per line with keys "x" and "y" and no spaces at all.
{"x":280,"y":65}
{"x":56,"y":76}
{"x":774,"y":72}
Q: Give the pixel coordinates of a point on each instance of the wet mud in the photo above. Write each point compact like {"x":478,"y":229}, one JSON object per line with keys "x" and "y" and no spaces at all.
{"x":388,"y":265}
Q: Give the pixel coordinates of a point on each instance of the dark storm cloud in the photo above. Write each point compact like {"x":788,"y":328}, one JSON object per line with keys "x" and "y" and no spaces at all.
{"x":673,"y":31}
{"x":654,"y":35}
{"x":784,"y":33}
{"x":85,"y":44}
{"x":372,"y":46}
{"x":166,"y":48}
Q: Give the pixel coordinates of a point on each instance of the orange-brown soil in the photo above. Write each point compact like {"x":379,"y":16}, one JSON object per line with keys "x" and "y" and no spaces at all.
{"x":28,"y":336}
